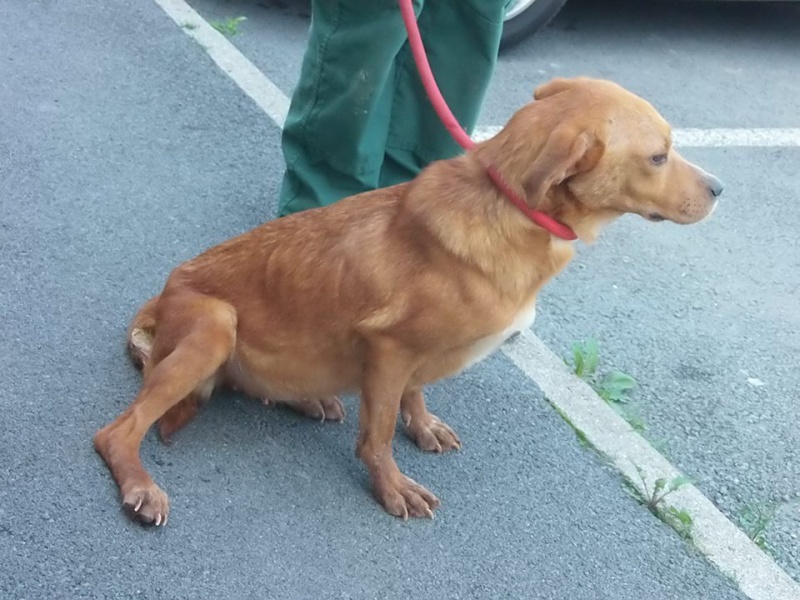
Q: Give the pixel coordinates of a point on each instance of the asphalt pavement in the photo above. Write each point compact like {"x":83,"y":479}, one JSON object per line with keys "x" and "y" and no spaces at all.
{"x":123,"y":151}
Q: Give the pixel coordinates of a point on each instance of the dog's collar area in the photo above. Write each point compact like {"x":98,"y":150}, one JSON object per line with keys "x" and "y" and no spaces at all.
{"x":459,"y":135}
{"x":544,"y":221}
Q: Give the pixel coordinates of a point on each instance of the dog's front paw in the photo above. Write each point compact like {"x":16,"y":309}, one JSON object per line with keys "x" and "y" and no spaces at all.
{"x":147,"y":503}
{"x":432,"y":434}
{"x":403,"y":497}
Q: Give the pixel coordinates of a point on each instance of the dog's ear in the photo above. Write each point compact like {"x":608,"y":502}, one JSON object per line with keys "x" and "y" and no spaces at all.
{"x":567,"y":152}
{"x":552,"y":87}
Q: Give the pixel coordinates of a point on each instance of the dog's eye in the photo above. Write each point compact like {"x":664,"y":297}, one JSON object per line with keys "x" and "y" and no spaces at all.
{"x":658,"y":159}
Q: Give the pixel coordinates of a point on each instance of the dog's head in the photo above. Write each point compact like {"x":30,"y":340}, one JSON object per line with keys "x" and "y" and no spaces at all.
{"x":599,"y":151}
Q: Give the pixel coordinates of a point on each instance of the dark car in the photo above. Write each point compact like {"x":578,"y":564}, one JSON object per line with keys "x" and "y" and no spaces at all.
{"x":524,"y":17}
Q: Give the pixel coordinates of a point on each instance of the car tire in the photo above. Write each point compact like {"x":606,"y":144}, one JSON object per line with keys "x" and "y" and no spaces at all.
{"x":525,"y":17}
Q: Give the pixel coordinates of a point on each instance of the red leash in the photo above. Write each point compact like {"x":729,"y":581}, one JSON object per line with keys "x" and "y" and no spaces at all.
{"x":459,"y":135}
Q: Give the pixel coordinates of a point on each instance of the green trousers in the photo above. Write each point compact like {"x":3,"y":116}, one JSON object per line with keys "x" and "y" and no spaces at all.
{"x":359,"y":118}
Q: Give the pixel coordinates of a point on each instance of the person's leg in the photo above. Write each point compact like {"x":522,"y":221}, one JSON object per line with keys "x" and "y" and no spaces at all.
{"x":461,"y":38}
{"x":335,"y":134}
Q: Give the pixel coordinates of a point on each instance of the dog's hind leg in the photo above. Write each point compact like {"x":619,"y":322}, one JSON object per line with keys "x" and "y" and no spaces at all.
{"x":141,"y":336}
{"x":327,"y":408}
{"x":195,"y":337}
{"x":182,"y":413}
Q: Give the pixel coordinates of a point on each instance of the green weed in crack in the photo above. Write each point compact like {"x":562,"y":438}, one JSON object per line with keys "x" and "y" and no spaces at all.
{"x":614,"y":387}
{"x":228,"y":27}
{"x":679,"y":519}
{"x":754,"y":519}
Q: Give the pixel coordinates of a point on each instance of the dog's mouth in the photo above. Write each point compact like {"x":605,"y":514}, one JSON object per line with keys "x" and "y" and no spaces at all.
{"x":655,"y":217}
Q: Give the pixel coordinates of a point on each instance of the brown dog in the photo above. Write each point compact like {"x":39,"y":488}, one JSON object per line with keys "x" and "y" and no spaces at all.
{"x":390,"y":290}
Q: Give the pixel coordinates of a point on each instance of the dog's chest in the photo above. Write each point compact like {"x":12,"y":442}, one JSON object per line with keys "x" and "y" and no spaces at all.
{"x":485,"y":346}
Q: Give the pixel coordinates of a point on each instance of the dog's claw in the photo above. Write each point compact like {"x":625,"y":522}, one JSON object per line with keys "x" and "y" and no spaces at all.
{"x":146,"y":503}
{"x":433,"y":435}
{"x":327,"y":408}
{"x":403,"y":497}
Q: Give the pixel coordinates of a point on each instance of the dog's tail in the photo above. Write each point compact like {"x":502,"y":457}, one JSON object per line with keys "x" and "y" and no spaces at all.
{"x":142,"y":332}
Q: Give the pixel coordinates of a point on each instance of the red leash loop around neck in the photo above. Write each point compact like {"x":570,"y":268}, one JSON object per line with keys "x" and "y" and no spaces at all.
{"x":459,"y":135}
{"x":544,"y":221}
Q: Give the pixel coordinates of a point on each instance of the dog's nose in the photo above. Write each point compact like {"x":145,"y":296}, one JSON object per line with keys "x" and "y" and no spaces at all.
{"x":714,"y":185}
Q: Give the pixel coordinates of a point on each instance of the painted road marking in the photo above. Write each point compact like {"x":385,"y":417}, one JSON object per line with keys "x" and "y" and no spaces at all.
{"x":710,"y":138}
{"x":232,"y":62}
{"x":275,"y":103}
{"x":721,"y":541}
{"x":753,"y":138}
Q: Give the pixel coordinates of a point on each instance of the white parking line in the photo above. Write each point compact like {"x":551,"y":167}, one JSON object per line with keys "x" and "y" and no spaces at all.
{"x":721,"y":541}
{"x":710,"y":138}
{"x":275,"y":103}
{"x":719,"y":138}
{"x":237,"y":66}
